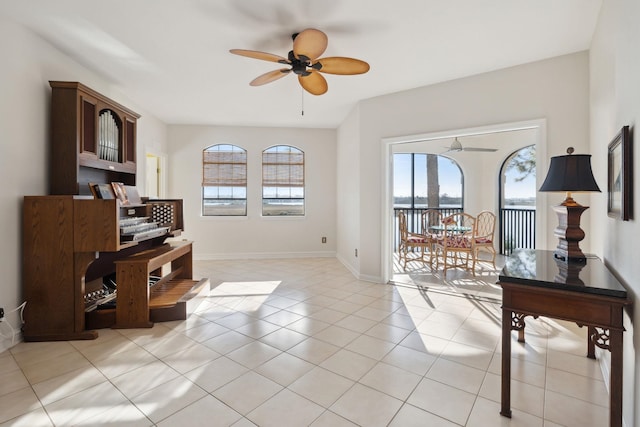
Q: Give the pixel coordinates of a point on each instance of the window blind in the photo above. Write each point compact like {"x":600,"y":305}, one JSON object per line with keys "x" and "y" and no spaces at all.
{"x":224,"y":168}
{"x":282,"y":168}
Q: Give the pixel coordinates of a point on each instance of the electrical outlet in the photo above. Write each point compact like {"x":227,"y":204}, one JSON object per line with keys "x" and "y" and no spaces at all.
{"x":324,"y":240}
{"x":356,"y":253}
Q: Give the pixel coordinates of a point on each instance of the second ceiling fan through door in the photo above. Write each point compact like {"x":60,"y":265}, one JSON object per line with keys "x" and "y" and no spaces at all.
{"x":456,"y":146}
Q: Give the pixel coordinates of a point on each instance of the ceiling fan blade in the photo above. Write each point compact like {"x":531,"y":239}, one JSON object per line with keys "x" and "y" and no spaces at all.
{"x":314,"y":83}
{"x":310,"y":44}
{"x":456,"y":145}
{"x":270,"y":77}
{"x":479,"y":149}
{"x":341,"y":65}
{"x":260,"y":55}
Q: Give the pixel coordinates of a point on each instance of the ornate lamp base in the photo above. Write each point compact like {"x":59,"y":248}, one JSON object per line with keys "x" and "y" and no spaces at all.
{"x":569,"y":233}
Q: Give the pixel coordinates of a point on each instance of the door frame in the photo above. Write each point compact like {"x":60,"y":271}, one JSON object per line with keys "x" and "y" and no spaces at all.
{"x":161,"y":173}
{"x":540,"y":125}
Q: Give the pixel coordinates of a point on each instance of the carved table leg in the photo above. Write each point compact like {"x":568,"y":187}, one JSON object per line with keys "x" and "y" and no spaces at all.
{"x":615,"y":384}
{"x":517,"y":324}
{"x":591,"y":333}
{"x":610,"y":339}
{"x":505,"y":409}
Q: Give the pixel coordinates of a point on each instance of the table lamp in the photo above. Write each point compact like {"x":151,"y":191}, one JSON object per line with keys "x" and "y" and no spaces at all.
{"x":570,"y":173}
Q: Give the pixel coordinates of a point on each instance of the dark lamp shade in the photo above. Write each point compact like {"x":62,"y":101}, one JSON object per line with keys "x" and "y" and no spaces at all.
{"x":570,"y":173}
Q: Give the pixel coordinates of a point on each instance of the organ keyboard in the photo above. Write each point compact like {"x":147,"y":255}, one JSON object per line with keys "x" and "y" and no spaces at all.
{"x":140,"y":228}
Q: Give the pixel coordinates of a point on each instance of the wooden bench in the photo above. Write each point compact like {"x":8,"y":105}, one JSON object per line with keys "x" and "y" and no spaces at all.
{"x":173,"y":297}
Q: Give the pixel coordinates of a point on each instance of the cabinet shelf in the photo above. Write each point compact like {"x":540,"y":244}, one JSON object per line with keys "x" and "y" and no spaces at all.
{"x":93,"y":139}
{"x":90,"y":161}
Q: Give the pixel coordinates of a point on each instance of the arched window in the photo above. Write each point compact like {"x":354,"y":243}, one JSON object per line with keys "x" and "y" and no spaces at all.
{"x":518,"y":201}
{"x":282,"y":181}
{"x":519,"y":178}
{"x":224,"y":180}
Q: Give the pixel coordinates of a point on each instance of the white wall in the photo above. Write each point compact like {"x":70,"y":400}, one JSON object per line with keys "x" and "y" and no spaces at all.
{"x":255,"y":236}
{"x":151,"y":138}
{"x":556,"y":90}
{"x":615,"y":102}
{"x":348,"y":198}
{"x":24,"y":125}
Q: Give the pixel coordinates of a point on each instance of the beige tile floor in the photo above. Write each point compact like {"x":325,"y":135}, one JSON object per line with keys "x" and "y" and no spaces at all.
{"x":300,"y":342}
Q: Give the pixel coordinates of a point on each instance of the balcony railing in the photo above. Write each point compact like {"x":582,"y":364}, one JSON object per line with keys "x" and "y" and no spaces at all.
{"x":516,"y":227}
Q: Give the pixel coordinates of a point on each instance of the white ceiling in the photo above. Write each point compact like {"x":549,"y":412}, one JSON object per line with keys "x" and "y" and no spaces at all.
{"x":172,"y":56}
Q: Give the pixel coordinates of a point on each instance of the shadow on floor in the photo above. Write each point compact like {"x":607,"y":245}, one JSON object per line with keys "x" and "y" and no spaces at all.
{"x":457,"y":281}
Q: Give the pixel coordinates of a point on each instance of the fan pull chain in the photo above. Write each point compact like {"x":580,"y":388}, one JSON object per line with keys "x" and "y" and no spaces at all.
{"x":302,"y":101}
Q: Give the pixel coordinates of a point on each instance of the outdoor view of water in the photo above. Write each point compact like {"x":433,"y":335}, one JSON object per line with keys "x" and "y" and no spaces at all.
{"x":239,"y":208}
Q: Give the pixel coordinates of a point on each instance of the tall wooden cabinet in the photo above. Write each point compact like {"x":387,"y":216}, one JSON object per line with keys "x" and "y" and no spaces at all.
{"x":93,"y":139}
{"x":72,"y":243}
{"x":61,"y":238}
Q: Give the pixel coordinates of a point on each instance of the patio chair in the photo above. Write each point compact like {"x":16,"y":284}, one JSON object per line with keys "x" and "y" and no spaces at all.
{"x":410,"y":241}
{"x":431,"y":218}
{"x":484,"y":236}
{"x":431,"y":221}
{"x":454,"y":246}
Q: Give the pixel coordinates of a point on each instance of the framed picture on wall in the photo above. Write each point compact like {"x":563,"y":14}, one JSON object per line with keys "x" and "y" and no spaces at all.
{"x":619,"y":176}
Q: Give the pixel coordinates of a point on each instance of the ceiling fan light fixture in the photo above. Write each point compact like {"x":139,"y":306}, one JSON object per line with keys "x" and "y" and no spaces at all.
{"x":456,"y":146}
{"x":308,"y":45}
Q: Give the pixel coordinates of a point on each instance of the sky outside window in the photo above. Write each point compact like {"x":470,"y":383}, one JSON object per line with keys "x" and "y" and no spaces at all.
{"x":450,"y":179}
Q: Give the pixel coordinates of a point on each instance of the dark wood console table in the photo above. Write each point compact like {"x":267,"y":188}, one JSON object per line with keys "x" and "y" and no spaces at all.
{"x":534,"y":283}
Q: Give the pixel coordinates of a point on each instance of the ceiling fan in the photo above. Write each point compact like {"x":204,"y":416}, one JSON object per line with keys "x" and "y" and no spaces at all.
{"x":304,"y":61}
{"x":456,"y":145}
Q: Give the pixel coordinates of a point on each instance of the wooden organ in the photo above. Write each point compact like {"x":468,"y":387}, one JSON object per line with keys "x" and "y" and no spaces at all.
{"x":92,"y":263}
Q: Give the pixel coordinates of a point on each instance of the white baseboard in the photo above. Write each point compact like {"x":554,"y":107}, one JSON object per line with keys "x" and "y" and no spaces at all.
{"x":352,"y":269}
{"x":356,"y":273}
{"x":5,"y":339}
{"x":11,"y":328}
{"x":262,"y":255}
{"x":283,"y":255}
{"x":5,"y":345}
{"x":367,"y":278}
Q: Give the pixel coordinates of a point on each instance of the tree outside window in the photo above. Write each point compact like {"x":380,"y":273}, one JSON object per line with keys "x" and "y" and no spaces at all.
{"x":519,"y":179}
{"x":426,"y":181}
